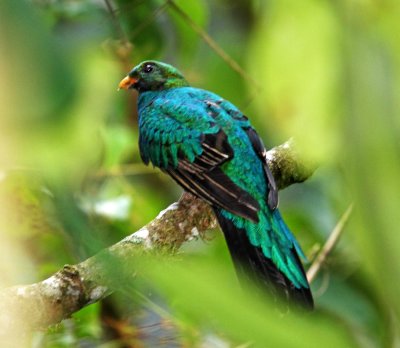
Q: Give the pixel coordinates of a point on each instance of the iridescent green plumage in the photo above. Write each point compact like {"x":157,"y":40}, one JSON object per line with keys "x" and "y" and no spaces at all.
{"x":210,"y":148}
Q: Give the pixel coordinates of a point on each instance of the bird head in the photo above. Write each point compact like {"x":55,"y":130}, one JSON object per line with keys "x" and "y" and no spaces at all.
{"x":153,"y":76}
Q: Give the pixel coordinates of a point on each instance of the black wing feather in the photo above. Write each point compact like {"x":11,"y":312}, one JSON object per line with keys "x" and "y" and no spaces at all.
{"x":259,"y":148}
{"x":204,"y":178}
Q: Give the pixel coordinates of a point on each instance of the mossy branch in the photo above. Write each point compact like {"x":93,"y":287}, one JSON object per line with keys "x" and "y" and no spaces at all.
{"x":48,"y":302}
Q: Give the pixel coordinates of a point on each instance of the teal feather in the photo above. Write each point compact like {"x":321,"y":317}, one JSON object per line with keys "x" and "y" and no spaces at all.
{"x":173,"y":149}
{"x":210,"y":148}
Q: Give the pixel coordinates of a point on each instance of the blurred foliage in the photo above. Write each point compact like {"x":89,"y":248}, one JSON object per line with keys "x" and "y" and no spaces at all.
{"x":71,"y":181}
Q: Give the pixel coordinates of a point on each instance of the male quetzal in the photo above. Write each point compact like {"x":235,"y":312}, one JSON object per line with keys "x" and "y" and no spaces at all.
{"x":210,"y":148}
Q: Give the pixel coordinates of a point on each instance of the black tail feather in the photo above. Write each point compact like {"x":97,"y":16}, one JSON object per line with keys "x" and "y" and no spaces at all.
{"x":252,"y":265}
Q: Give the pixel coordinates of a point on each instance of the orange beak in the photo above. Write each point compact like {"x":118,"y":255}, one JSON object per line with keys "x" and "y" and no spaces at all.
{"x":126,"y":82}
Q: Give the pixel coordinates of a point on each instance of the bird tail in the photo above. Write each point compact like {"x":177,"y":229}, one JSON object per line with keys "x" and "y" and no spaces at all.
{"x":251,"y":265}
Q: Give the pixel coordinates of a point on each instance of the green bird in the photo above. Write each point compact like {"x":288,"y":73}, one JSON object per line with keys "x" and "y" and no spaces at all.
{"x":208,"y":146}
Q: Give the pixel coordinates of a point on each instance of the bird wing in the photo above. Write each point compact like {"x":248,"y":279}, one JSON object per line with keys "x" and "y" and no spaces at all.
{"x":187,"y":143}
{"x":205,"y":178}
{"x":257,"y":144}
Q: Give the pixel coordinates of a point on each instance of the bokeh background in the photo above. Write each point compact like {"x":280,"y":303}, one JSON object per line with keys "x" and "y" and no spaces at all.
{"x":71,"y":181}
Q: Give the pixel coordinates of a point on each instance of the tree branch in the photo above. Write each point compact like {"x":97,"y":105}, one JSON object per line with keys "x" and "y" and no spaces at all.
{"x":75,"y":286}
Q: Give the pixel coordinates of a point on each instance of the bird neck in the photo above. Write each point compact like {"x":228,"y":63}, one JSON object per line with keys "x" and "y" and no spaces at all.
{"x":175,"y":82}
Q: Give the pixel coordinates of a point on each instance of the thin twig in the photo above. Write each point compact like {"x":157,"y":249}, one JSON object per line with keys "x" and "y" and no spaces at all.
{"x":159,"y":10}
{"x":116,"y":22}
{"x":329,"y":245}
{"x":213,"y":45}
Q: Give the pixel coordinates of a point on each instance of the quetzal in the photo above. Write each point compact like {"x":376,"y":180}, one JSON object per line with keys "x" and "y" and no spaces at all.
{"x":208,"y":146}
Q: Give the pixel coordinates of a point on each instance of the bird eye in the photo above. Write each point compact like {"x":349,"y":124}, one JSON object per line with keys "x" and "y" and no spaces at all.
{"x":148,"y":68}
